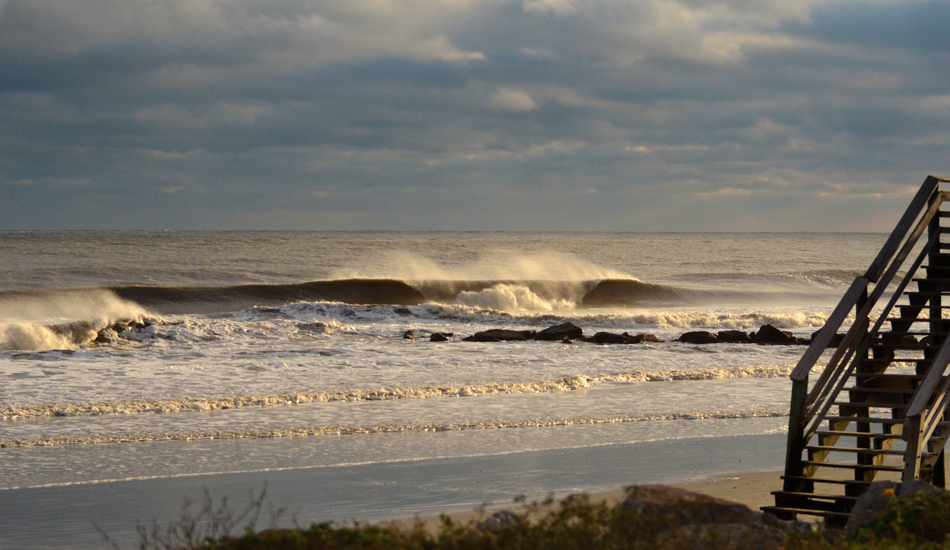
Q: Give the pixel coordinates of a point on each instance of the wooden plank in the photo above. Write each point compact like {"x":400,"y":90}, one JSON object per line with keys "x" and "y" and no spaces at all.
{"x":903,"y":226}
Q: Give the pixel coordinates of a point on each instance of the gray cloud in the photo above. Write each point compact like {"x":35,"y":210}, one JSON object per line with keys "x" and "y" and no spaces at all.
{"x":426,"y":114}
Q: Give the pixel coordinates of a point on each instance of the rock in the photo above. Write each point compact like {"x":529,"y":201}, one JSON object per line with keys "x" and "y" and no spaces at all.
{"x":699,"y":337}
{"x":500,"y":520}
{"x":663,"y":501}
{"x":107,"y":335}
{"x":607,"y":338}
{"x":835,"y":340}
{"x":734,"y":337}
{"x":408,"y":335}
{"x":879,"y":495}
{"x":560,"y":332}
{"x":501,"y":335}
{"x":770,"y":335}
{"x":441,"y":336}
{"x":611,"y":338}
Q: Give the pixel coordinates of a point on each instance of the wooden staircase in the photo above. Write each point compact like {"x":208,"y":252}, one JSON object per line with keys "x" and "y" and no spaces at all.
{"x":880,"y":404}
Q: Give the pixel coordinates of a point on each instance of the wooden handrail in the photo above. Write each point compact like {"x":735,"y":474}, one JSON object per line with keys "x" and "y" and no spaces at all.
{"x":913,"y":210}
{"x":820,"y":343}
{"x":832,"y":375}
{"x":929,"y":383}
{"x":851,"y":297}
{"x":918,"y":427}
{"x":838,"y":370}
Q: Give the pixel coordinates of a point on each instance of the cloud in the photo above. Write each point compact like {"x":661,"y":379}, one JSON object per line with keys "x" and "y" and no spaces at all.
{"x":510,"y":99}
{"x":378,"y":107}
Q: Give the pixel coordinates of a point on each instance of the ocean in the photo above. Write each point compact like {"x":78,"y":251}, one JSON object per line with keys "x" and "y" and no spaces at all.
{"x":165,"y":356}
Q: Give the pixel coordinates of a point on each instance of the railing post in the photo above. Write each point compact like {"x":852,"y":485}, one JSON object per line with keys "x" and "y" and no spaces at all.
{"x":796,"y":437}
{"x":914,"y":432}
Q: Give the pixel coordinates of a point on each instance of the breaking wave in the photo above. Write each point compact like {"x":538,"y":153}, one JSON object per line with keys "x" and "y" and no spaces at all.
{"x":59,"y":319}
{"x":390,"y":428}
{"x":568,"y":383}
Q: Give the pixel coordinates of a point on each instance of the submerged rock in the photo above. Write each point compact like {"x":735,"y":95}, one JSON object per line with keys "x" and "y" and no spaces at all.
{"x":501,"y":335}
{"x":566,"y":330}
{"x":699,"y":337}
{"x":734,"y":337}
{"x":441,"y":336}
{"x":611,"y":338}
{"x":770,"y":335}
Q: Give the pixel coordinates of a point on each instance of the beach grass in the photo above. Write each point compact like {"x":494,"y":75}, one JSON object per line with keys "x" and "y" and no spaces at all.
{"x":576,"y":522}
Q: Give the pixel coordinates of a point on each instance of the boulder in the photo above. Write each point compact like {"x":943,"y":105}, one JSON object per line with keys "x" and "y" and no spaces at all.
{"x":699,"y":337}
{"x":770,"y":335}
{"x":499,"y":521}
{"x":560,"y":332}
{"x":734,"y":337}
{"x":408,"y":335}
{"x":500,"y":335}
{"x":441,"y":336}
{"x":642,"y":339}
{"x":607,"y":338}
{"x":664,"y":501}
{"x":879,"y":495}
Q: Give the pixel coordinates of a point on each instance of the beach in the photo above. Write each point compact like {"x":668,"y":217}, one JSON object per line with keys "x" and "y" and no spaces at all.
{"x":49,"y":517}
{"x":341,"y":369}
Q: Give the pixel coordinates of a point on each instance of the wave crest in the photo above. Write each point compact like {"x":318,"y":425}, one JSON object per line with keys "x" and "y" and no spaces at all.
{"x":567,"y":383}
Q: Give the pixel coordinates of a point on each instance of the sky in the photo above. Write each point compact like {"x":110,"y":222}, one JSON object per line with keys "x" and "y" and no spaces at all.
{"x":473,"y":115}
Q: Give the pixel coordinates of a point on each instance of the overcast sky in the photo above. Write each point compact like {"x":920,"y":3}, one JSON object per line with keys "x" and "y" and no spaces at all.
{"x":621,"y":115}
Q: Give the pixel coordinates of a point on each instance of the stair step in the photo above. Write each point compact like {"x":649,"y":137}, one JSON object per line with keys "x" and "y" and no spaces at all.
{"x":888,"y":376}
{"x":829,"y":481}
{"x":918,"y":345}
{"x":898,"y":360}
{"x":854,"y":450}
{"x":871,"y":405}
{"x":848,"y":466}
{"x":840,"y":433}
{"x":869,"y":389}
{"x":865,"y":420}
{"x":777,"y":510}
{"x":819,"y":496}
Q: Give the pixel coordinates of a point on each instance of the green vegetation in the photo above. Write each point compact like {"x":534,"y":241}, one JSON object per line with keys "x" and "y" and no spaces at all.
{"x":922,"y":523}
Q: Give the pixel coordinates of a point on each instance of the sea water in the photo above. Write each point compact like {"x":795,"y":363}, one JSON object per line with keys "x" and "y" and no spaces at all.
{"x":242,"y":339}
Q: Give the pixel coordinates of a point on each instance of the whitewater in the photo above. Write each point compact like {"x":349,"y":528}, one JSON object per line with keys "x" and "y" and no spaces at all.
{"x":128,"y":355}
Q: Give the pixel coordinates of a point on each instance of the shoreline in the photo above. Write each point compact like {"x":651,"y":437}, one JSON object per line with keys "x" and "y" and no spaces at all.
{"x":43,"y":517}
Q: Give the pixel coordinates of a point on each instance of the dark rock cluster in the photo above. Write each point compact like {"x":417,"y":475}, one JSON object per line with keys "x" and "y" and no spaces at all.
{"x":569,"y":332}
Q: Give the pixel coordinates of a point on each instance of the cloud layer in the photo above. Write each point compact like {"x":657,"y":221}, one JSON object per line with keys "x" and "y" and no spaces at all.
{"x":470,"y":114}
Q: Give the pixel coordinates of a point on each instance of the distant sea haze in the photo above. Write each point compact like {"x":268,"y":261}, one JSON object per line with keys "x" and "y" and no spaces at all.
{"x":155,"y":339}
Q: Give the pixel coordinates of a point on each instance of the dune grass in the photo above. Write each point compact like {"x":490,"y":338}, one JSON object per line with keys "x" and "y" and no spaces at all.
{"x":921,"y":523}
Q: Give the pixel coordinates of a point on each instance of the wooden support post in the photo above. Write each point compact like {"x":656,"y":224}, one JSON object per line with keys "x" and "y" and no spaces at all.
{"x":939,"y":472}
{"x":913,"y":428}
{"x":936,"y":311}
{"x":796,"y":438}
{"x":862,"y":366}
